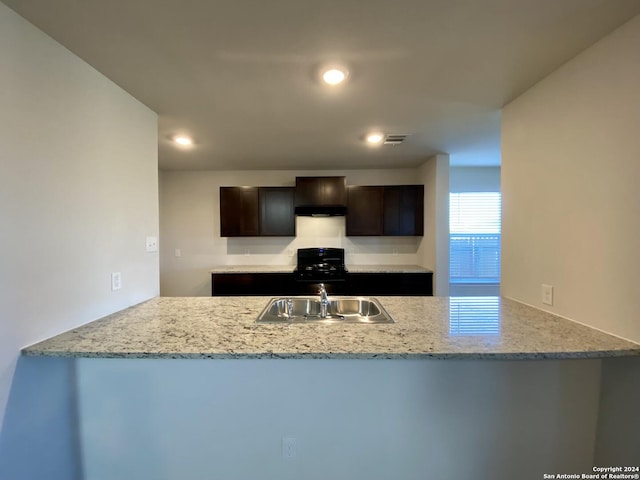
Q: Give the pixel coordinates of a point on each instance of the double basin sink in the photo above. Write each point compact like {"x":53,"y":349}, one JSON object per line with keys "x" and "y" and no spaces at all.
{"x":338,"y":310}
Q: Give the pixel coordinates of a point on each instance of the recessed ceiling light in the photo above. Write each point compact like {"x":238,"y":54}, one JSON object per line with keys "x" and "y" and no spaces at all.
{"x":375,"y":138}
{"x":183,"y":140}
{"x":334,"y":75}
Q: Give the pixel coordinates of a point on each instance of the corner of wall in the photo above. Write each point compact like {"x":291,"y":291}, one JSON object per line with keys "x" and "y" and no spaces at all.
{"x":434,"y":247}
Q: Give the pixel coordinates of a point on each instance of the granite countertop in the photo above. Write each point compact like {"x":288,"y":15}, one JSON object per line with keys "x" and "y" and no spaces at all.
{"x":387,"y":269}
{"x":252,"y":269}
{"x":426,"y":327}
{"x":289,"y":269}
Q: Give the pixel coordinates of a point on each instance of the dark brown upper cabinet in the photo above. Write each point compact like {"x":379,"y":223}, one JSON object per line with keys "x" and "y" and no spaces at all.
{"x":321,"y":195}
{"x":396,"y":210}
{"x":276,"y":212}
{"x":239,"y":212}
{"x":365,"y":208}
{"x":404,"y":210}
{"x":256,"y":211}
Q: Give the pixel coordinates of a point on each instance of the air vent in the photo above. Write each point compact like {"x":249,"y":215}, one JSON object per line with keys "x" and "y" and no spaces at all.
{"x":395,"y":139}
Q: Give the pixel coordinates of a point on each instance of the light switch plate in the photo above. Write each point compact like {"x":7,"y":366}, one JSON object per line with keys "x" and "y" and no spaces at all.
{"x":116,"y":281}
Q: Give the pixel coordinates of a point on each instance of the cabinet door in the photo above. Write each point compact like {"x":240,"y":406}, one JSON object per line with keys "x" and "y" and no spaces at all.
{"x":239,"y":212}
{"x":364,"y":211}
{"x":404,"y":210}
{"x":276,"y":211}
{"x":321,"y":191}
{"x":254,"y":284}
{"x":391,"y":284}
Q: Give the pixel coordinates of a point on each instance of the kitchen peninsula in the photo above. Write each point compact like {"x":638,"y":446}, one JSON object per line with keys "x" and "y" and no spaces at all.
{"x":193,"y":388}
{"x":426,"y":327}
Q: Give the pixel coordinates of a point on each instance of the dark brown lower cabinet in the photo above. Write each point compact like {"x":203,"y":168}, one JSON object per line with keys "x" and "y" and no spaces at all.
{"x":284,"y":284}
{"x":248,"y":284}
{"x":390,"y":284}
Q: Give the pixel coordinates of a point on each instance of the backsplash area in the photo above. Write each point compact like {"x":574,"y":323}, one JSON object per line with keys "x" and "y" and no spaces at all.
{"x":320,"y":232}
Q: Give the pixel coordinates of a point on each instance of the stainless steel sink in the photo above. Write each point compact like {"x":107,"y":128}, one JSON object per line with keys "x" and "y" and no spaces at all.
{"x":339,"y":310}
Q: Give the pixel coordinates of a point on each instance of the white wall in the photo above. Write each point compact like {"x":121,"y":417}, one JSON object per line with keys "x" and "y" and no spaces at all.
{"x":571,"y":191}
{"x":434,"y":249}
{"x":474,"y":179}
{"x":352,"y":419}
{"x":571,"y":211}
{"x":190,"y":222}
{"x":78,"y":195}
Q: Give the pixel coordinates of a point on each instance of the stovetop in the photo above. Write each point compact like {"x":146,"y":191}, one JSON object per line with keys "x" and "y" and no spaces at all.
{"x":320,"y":265}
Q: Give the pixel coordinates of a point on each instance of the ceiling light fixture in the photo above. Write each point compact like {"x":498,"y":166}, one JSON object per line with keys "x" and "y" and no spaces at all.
{"x":183,"y":140}
{"x":375,"y":138}
{"x":334,"y":75}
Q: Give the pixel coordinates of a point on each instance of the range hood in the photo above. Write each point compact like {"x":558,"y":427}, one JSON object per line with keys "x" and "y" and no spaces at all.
{"x":321,"y":210}
{"x":321,"y":196}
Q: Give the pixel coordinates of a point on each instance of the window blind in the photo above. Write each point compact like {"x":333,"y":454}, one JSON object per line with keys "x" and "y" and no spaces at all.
{"x":474,"y":229}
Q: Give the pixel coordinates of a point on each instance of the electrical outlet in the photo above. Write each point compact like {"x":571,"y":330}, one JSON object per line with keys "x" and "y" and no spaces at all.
{"x":290,"y":252}
{"x":547,"y":294}
{"x":289,"y":448}
{"x":116,"y":281}
{"x":152,"y":244}
{"x":178,"y":252}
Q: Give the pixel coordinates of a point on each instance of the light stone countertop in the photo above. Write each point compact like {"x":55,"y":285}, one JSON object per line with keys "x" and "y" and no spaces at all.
{"x":387,"y":269}
{"x":426,"y":327}
{"x":289,"y":269}
{"x":252,"y":269}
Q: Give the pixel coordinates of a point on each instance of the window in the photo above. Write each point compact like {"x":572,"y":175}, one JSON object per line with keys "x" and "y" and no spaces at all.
{"x":474,"y":228}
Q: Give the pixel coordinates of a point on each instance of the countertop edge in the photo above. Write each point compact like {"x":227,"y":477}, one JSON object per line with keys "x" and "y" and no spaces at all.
{"x":376,"y":268}
{"x":31,"y":352}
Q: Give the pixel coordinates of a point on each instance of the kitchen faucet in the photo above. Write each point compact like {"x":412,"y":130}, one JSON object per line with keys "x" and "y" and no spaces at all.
{"x":324,"y":301}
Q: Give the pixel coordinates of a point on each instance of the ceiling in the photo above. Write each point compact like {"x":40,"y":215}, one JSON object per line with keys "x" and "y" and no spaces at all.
{"x":240,"y":76}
